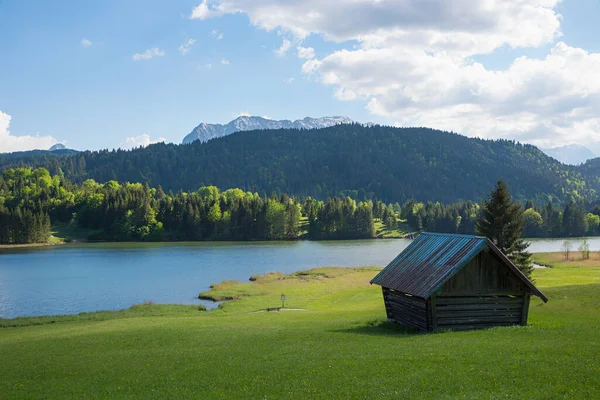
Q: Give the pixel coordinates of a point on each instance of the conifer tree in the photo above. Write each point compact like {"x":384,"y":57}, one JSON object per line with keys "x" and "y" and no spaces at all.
{"x":501,"y":220}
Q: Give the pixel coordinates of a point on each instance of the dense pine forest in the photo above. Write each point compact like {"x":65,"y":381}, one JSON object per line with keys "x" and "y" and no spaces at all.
{"x":364,"y":163}
{"x":32,"y":200}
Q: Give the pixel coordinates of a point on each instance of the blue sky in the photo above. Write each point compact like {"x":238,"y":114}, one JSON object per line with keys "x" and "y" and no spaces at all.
{"x":68,"y":71}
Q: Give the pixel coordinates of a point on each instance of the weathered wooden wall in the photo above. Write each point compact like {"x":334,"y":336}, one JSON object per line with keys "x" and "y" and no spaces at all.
{"x":407,"y":310}
{"x":469,"y":312}
{"x":484,"y":293}
{"x":485,"y":274}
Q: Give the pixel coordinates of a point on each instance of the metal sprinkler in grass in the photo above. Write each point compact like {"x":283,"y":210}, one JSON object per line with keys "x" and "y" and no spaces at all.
{"x":282,"y":300}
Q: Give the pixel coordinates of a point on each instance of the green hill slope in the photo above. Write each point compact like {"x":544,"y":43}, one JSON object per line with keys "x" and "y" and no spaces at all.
{"x":392,"y":164}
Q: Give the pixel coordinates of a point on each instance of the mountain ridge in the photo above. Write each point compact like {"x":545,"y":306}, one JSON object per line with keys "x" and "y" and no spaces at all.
{"x":204,"y":132}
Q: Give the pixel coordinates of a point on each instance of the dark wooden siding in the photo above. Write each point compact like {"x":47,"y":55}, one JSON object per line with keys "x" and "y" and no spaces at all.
{"x":484,"y":293}
{"x":407,"y":310}
{"x":484,"y":274}
{"x":472,"y":312}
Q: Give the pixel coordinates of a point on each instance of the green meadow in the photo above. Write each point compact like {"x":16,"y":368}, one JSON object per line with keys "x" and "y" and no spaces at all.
{"x":332,"y":342}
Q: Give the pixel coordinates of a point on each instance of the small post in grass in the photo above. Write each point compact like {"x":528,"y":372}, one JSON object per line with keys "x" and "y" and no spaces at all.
{"x":282,"y":300}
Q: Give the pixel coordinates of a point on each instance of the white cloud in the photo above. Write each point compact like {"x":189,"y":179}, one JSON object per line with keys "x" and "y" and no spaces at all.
{"x":148,"y":54}
{"x":208,"y":66}
{"x":10,"y":143}
{"x":224,"y":61}
{"x":143,"y":140}
{"x":289,"y":80}
{"x":514,"y":22}
{"x":243,"y":114}
{"x":206,"y":9}
{"x":217,"y":34}
{"x":413,"y":62}
{"x":86,"y":42}
{"x":285,"y":46}
{"x":186,"y":47}
{"x":305,"y":52}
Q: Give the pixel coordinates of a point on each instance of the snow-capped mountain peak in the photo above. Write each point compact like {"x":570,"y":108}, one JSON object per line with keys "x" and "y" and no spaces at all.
{"x":204,"y":131}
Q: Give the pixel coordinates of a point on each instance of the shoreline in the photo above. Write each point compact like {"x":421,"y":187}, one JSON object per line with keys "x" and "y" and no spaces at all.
{"x":78,"y":241}
{"x":214,"y":294}
{"x":406,"y":237}
{"x":33,"y":245}
{"x":29,"y":245}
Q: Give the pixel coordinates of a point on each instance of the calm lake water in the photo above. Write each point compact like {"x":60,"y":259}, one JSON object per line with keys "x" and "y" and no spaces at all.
{"x":75,"y":278}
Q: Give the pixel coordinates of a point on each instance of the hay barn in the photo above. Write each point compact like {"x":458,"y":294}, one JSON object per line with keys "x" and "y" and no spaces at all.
{"x":447,"y":281}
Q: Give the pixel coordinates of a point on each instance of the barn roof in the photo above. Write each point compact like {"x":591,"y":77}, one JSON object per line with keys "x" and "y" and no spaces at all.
{"x":433,"y":258}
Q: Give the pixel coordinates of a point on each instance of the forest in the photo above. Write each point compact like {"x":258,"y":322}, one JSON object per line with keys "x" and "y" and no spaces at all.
{"x":31,"y":201}
{"x":364,"y":163}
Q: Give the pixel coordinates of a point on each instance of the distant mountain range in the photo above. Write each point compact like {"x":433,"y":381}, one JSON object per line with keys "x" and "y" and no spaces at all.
{"x":205,"y":132}
{"x":573,"y":154}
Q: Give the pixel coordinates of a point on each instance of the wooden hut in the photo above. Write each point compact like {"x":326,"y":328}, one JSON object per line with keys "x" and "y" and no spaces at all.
{"x":446,"y":281}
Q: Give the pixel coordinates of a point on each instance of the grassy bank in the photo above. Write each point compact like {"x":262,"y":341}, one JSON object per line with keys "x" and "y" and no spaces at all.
{"x":61,"y":232}
{"x":575,"y":259}
{"x":52,"y":242}
{"x":382,"y":232}
{"x":337,"y":345}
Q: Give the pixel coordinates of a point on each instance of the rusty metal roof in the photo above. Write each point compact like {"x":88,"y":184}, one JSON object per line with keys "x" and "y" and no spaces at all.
{"x":432,"y":259}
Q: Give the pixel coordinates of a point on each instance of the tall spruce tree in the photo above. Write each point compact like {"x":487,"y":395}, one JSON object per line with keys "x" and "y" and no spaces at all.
{"x":501,"y":220}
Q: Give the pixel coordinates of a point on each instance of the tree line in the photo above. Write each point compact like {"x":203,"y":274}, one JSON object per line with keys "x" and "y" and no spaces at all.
{"x":546,"y":221}
{"x":30,"y":200}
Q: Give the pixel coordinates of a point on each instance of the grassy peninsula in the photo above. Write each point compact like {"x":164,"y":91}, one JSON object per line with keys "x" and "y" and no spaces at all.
{"x":333,"y":342}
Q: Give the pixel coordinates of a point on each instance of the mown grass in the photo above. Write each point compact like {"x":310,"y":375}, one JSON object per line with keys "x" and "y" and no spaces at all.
{"x":340,"y":347}
{"x":136,"y":310}
{"x":383,"y":232}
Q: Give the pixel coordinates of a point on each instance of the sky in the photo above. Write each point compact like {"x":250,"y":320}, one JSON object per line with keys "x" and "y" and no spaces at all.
{"x":113,"y":73}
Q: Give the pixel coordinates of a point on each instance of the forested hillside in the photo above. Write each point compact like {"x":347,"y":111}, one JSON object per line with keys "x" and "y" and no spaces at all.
{"x":390,"y":164}
{"x":27,"y":158}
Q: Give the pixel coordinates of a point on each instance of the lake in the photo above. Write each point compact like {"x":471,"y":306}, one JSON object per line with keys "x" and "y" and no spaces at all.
{"x":74,"y":278}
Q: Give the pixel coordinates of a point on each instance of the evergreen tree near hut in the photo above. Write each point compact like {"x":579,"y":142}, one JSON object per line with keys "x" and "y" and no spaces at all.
{"x":501,"y":220}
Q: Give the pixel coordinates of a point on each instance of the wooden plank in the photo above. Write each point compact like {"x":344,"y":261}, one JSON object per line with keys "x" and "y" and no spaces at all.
{"x":443,"y":313}
{"x":466,"y":307}
{"x":410,"y":314}
{"x":418,"y":313}
{"x":404,"y":305}
{"x":525,"y":310}
{"x":394,"y":303}
{"x":481,"y":293}
{"x":476,"y":300}
{"x":406,"y":300}
{"x":406,"y":296}
{"x":515,"y":320}
{"x":493,"y":313}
